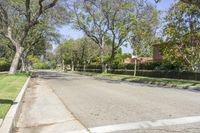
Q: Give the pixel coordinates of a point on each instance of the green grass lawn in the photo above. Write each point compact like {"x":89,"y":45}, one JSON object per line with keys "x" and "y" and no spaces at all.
{"x":149,"y":79}
{"x":10,"y":86}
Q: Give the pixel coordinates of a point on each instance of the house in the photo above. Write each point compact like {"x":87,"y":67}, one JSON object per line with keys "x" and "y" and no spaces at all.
{"x":157,"y":57}
{"x":139,"y":59}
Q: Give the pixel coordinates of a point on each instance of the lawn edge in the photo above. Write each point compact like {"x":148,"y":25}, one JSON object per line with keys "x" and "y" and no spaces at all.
{"x":155,"y":84}
{"x":12,"y":115}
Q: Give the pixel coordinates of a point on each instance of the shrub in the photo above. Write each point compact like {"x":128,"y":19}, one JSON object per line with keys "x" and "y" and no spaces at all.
{"x":91,"y":70}
{"x":94,"y":66}
{"x":41,"y":65}
{"x":140,"y":66}
{"x":4,"y":65}
{"x":170,"y":66}
{"x":118,"y":66}
{"x":53,"y":64}
{"x":148,"y":66}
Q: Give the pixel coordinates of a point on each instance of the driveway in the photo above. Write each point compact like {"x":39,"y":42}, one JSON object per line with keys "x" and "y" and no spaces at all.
{"x":110,"y":106}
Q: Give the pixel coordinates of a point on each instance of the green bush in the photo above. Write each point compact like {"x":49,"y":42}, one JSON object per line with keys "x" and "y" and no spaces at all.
{"x":91,"y":70}
{"x":41,"y":65}
{"x":147,"y":66}
{"x":93,"y":66}
{"x":53,"y":64}
{"x":141,"y":66}
{"x":4,"y":65}
{"x":170,"y":66}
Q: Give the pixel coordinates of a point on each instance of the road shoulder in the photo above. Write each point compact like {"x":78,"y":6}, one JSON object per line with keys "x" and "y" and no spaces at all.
{"x":43,"y":112}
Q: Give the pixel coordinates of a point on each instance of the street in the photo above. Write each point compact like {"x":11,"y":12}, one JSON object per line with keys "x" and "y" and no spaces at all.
{"x":110,"y":106}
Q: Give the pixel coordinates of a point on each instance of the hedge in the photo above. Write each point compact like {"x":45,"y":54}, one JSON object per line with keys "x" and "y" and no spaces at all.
{"x":92,"y":66}
{"x":148,"y":66}
{"x":140,"y":66}
{"x":154,"y":73}
{"x":89,"y":70}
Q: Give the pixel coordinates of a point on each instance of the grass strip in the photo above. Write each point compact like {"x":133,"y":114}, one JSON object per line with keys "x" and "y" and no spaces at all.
{"x":10,"y":86}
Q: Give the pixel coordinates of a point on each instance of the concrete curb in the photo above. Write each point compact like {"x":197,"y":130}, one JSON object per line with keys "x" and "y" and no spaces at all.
{"x":11,"y":117}
{"x":5,"y":72}
{"x":156,"y":84}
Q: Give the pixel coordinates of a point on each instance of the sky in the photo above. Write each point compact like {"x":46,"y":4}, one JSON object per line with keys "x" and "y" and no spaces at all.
{"x":68,"y":32}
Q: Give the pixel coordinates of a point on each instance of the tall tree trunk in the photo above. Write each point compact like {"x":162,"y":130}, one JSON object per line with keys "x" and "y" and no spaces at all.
{"x":23,"y":66}
{"x":84,"y":66}
{"x":103,"y":66}
{"x":63,"y":65}
{"x":24,"y":63}
{"x":193,"y":67}
{"x":135,"y":67}
{"x":102,"y":61}
{"x":15,"y":61}
{"x":72,"y":65}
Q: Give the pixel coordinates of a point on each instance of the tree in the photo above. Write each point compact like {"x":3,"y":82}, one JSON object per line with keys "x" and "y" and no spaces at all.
{"x":120,"y":20}
{"x":64,"y":53}
{"x":6,"y":49}
{"x":194,"y":2}
{"x":143,"y":33}
{"x":182,"y":33}
{"x":37,"y":42}
{"x":119,"y":57}
{"x":126,"y":55}
{"x":103,"y":20}
{"x":77,"y":52}
{"x":86,"y":50}
{"x":88,"y":18}
{"x":17,"y":19}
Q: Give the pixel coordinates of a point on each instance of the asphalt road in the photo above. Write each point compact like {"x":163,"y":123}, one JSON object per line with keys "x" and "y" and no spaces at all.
{"x":102,"y":105}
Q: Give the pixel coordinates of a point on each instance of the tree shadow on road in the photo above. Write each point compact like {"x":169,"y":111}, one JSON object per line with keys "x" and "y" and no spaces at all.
{"x":7,"y":101}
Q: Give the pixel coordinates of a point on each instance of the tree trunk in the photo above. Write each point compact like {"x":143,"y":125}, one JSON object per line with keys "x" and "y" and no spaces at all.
{"x":193,"y":67}
{"x":105,"y":68}
{"x":72,"y":65}
{"x":15,"y":61}
{"x":102,"y":61}
{"x":24,"y":63}
{"x":23,"y":66}
{"x":84,"y":66}
{"x":63,"y":65}
{"x":135,"y":67}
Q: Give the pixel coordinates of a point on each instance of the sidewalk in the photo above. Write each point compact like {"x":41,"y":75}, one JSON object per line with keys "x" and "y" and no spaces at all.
{"x":43,"y":112}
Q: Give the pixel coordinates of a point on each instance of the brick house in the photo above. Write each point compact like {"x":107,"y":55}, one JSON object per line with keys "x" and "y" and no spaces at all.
{"x":157,"y":57}
{"x":139,"y":59}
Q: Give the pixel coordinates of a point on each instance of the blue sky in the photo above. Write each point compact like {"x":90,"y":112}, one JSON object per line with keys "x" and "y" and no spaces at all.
{"x":67,"y":32}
